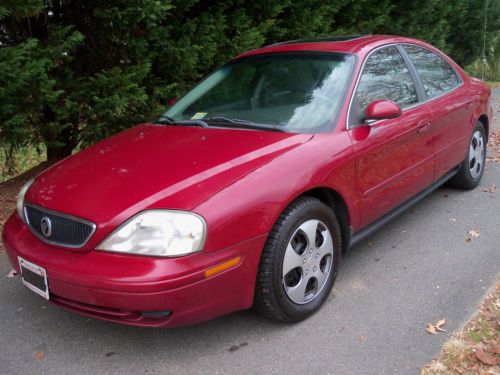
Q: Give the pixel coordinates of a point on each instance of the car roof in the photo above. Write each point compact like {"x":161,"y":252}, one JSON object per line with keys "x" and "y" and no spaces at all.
{"x":355,"y":44}
{"x":338,"y":38}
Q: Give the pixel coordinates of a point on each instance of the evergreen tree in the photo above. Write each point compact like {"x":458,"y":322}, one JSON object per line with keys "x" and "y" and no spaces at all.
{"x":467,"y":29}
{"x":77,"y":71}
{"x":73,"y":72}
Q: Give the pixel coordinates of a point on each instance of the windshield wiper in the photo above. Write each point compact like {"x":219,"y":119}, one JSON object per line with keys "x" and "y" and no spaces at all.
{"x":165,"y":120}
{"x":221,"y":120}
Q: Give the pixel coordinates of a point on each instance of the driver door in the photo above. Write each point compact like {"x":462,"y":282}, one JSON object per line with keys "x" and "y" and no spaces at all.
{"x":394,"y":157}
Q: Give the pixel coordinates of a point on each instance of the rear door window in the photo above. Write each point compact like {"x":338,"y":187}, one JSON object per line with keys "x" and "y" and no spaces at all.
{"x":436,"y":74}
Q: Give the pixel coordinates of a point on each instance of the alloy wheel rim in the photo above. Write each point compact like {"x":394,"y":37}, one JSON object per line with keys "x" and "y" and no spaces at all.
{"x":307,"y":262}
{"x":476,"y":155}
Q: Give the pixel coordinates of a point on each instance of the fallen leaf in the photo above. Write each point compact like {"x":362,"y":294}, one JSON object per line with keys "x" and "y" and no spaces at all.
{"x":486,"y":358}
{"x":431,"y":329}
{"x":362,"y":338}
{"x":434,"y":328}
{"x":12,"y":273}
{"x":495,"y":348}
{"x":439,"y":324}
{"x":490,"y":189}
{"x":39,"y":356}
{"x":474,"y":233}
{"x":481,"y":344}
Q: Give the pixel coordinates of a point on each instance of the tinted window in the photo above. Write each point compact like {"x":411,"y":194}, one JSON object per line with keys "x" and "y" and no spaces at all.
{"x":436,"y":74}
{"x":386,"y":76}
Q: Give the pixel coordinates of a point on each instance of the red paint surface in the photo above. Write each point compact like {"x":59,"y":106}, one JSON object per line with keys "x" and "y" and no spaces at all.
{"x":239,"y":181}
{"x":382,"y":109}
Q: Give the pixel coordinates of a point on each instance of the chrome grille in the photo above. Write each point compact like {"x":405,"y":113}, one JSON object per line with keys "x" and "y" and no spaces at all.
{"x":65,"y":230}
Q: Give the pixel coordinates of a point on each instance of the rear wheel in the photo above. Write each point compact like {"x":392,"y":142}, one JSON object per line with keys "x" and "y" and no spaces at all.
{"x":299,"y":262}
{"x":471,"y":171}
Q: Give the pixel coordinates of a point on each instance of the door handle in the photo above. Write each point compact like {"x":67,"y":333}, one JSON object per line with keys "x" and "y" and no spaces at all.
{"x":423,"y":127}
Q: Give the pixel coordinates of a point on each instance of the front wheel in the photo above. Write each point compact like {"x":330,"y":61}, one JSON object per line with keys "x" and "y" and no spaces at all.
{"x":471,"y":171}
{"x":299,"y":262}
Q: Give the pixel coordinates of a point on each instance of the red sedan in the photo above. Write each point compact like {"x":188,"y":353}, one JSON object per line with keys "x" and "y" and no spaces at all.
{"x":251,"y":186}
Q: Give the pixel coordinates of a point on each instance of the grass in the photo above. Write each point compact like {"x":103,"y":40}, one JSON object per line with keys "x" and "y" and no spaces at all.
{"x":476,"y":348}
{"x":24,"y":159}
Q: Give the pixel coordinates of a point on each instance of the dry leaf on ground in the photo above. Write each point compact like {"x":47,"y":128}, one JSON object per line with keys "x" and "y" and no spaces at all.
{"x":490,"y":189}
{"x":495,"y":370}
{"x":431,"y":328}
{"x":473,"y":233}
{"x":39,"y":356}
{"x":495,"y":348}
{"x":494,"y":147}
{"x":486,"y":358}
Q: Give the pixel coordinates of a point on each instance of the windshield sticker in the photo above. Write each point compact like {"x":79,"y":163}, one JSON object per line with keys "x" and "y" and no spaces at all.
{"x":198,"y":115}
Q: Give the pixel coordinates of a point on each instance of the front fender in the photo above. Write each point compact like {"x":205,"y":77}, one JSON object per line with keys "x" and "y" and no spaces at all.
{"x":250,"y":206}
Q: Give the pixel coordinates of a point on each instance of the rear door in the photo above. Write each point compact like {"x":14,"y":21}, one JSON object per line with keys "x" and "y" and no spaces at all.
{"x":394,"y":157}
{"x":451,"y":107}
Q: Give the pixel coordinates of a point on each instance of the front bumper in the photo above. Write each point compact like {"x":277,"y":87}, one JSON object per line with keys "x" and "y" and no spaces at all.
{"x":137,"y":290}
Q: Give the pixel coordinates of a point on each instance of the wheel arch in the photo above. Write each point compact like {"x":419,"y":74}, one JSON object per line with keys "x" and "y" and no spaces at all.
{"x":337,"y":203}
{"x":483,"y":119}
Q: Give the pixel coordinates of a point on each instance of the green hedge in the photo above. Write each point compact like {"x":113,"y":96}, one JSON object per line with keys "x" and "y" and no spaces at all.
{"x":73,"y":72}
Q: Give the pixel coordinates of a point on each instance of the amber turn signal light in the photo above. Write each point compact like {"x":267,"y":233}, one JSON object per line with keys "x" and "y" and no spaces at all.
{"x":222,"y":267}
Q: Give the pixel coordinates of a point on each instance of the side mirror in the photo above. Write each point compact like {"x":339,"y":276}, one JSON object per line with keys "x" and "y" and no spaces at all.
{"x":382,"y":109}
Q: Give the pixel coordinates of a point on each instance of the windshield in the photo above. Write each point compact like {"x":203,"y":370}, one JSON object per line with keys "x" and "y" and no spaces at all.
{"x":295,"y":92}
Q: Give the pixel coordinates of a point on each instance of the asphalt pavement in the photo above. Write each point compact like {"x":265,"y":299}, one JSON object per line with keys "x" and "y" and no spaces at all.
{"x":416,"y":270}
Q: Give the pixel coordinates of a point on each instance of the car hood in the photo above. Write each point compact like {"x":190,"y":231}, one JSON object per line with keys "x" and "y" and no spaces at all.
{"x":151,"y":166}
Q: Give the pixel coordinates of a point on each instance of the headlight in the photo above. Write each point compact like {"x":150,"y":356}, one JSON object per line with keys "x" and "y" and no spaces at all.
{"x":20,"y":199}
{"x":158,"y":233}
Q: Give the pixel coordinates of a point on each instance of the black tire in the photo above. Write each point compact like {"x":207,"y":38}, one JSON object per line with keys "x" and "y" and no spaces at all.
{"x":271,"y":299}
{"x":464,"y":179}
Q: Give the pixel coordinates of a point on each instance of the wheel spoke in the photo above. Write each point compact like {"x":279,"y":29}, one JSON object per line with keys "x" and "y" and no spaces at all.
{"x":301,"y":267}
{"x":321,"y":277}
{"x":291,"y":260}
{"x":476,"y":154}
{"x":472,"y":153}
{"x":297,"y":292}
{"x":478,"y":166}
{"x":309,"y":228}
{"x":481,"y":147}
{"x":327,"y":245}
{"x":480,"y":151}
